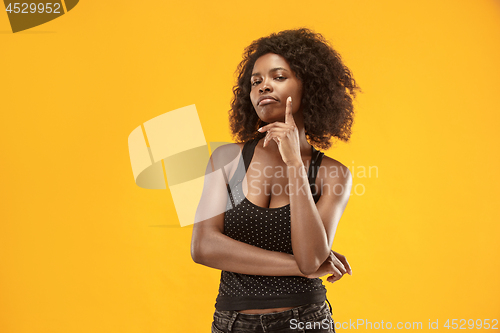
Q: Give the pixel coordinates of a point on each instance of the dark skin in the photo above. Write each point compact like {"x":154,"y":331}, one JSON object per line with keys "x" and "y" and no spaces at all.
{"x":285,"y":147}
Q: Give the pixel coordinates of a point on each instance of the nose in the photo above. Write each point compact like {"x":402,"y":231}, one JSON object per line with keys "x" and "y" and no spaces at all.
{"x":265,"y":86}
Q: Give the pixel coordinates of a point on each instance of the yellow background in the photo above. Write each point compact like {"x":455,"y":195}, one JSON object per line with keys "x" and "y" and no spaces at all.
{"x":83,"y":249}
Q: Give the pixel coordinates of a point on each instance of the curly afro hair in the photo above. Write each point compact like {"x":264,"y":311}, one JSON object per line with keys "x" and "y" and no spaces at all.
{"x":328,"y":87}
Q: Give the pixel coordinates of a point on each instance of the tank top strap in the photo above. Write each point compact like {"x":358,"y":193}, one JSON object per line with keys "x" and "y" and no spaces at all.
{"x":316,"y":159}
{"x":247,"y":152}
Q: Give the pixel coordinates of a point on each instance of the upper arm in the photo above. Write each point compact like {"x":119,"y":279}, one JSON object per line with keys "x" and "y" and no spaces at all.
{"x":335,"y":182}
{"x":209,"y":215}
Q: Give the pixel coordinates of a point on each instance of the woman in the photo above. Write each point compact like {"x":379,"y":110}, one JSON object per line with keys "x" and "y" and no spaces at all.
{"x":271,"y":202}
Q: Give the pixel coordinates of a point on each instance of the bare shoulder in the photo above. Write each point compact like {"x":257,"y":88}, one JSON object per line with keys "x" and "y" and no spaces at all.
{"x":226,"y":155}
{"x":227,"y":150}
{"x":332,"y":171}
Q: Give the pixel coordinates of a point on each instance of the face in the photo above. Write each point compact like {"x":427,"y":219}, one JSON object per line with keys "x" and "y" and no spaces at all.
{"x":272,"y":81}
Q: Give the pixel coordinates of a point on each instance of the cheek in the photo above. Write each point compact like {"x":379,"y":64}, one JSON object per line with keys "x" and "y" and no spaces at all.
{"x":298,"y":97}
{"x":297,"y":106}
{"x":252,"y":98}
{"x":298,"y":91}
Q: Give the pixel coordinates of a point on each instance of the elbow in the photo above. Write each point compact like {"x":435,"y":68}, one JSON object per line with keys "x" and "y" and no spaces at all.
{"x":202,"y":249}
{"x":196,"y":256}
{"x":308,"y":267}
{"x":197,"y":250}
{"x":310,"y":264}
{"x":197,"y":253}
{"x":205,"y":247}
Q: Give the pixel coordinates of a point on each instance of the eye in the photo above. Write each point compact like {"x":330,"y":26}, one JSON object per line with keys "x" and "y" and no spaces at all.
{"x":280,"y":77}
{"x":255,"y":82}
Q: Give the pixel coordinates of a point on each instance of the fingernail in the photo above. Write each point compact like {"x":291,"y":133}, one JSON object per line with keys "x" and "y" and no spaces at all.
{"x":259,"y":129}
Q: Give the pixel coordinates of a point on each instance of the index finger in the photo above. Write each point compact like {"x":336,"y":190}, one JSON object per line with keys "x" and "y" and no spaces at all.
{"x":288,"y":111}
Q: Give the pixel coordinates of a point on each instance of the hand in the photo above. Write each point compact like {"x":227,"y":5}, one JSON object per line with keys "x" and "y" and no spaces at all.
{"x":286,"y":135}
{"x":336,"y":264}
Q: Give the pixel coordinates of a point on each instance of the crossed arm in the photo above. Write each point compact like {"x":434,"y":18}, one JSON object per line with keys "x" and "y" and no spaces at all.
{"x":210,"y":247}
{"x":314,"y":225}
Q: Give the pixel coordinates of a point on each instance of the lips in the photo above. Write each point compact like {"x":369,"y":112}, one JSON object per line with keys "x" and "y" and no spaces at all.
{"x":264,"y":98}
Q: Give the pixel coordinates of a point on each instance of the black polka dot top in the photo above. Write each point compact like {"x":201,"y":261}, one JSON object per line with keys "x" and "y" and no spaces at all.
{"x":267,"y":228}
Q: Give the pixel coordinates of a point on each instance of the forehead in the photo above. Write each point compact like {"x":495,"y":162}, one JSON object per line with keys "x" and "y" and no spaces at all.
{"x":269,"y":61}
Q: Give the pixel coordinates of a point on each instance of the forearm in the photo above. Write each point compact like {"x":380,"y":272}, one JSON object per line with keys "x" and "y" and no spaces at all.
{"x":222,"y":252}
{"x":309,"y":237}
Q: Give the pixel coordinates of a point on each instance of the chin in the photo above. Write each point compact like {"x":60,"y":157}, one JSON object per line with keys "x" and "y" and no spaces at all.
{"x":273,"y":119}
{"x":271,"y":116}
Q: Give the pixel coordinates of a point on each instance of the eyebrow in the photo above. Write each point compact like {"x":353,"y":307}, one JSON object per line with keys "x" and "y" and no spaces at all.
{"x":272,"y":70}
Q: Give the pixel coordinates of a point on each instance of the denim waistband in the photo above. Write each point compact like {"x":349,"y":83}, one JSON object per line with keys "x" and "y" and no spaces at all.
{"x":234,"y":321}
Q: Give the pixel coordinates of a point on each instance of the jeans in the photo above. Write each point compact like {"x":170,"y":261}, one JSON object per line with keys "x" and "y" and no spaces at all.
{"x":307,"y":318}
